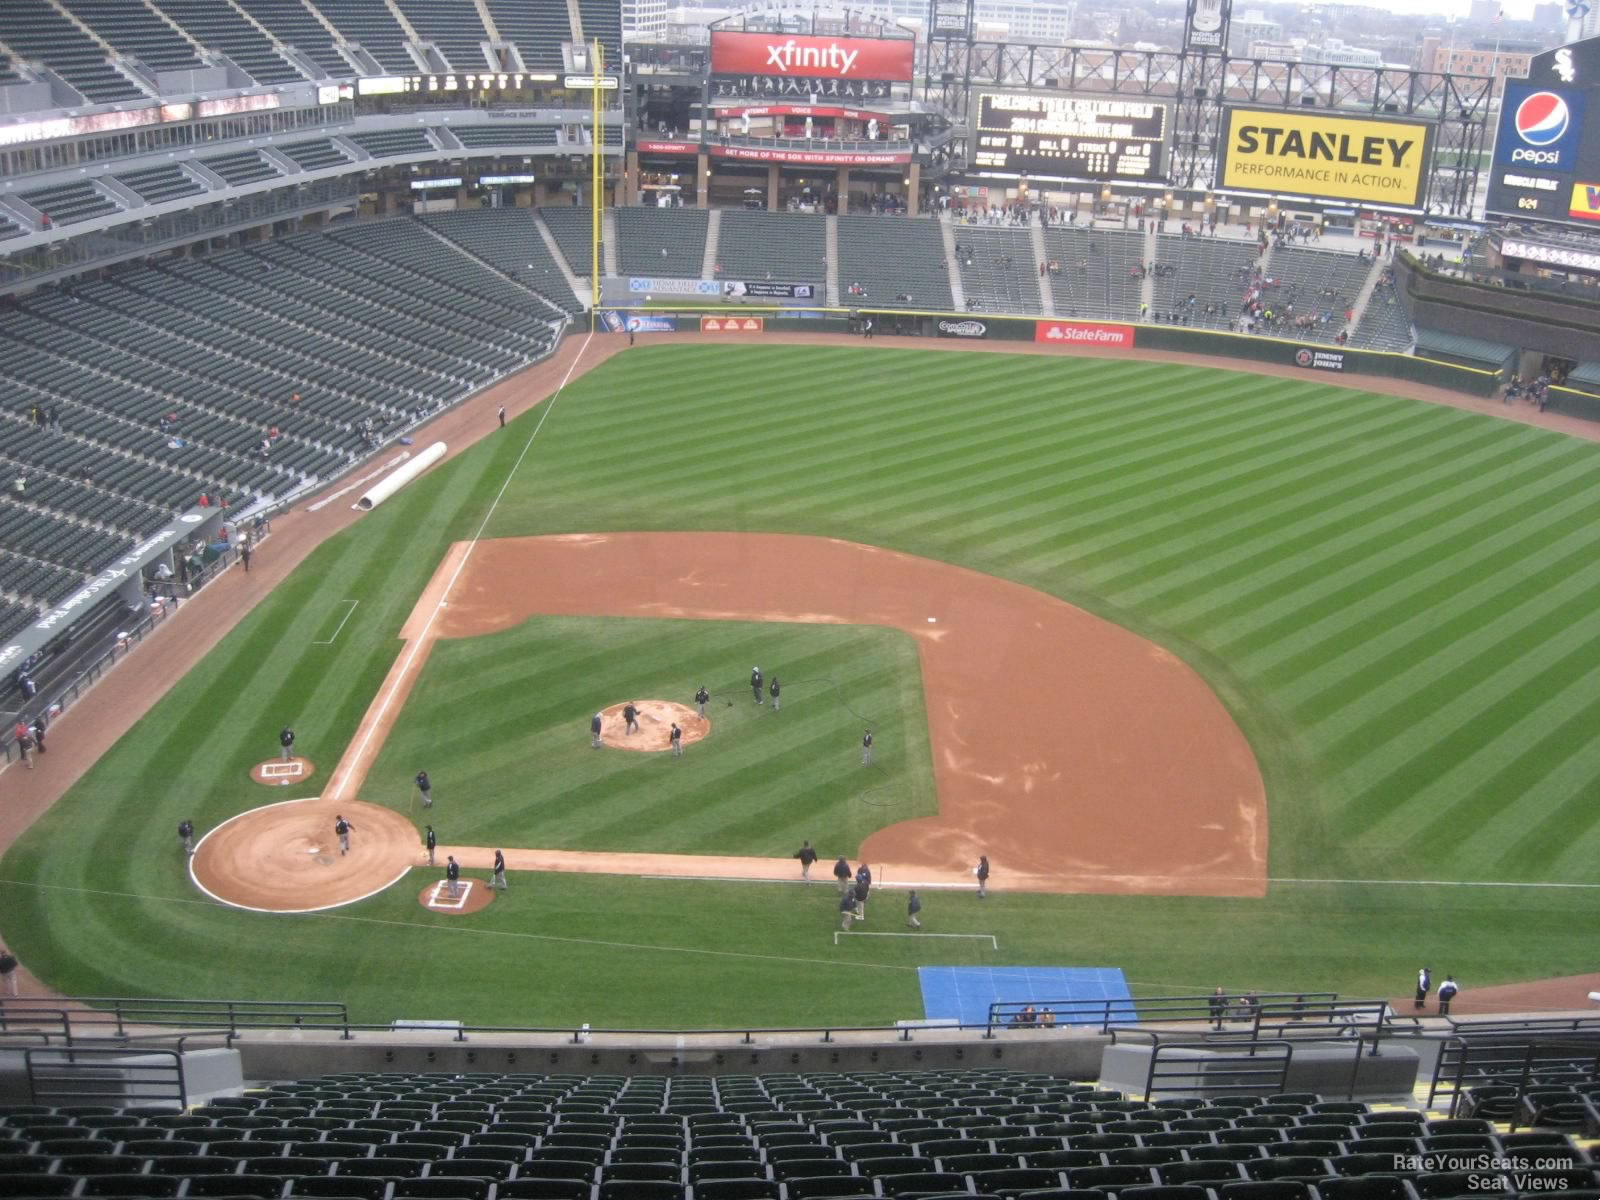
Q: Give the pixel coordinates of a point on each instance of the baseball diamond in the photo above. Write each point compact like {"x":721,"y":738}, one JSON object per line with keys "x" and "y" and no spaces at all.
{"x":1236,"y":595}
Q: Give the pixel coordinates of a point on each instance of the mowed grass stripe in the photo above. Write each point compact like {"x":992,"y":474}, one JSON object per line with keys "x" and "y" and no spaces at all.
{"x":1240,"y":510}
{"x":1342,"y":659}
{"x":1280,"y":587}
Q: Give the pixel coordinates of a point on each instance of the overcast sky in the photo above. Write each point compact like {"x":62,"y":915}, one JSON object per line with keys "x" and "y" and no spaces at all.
{"x":1515,"y":9}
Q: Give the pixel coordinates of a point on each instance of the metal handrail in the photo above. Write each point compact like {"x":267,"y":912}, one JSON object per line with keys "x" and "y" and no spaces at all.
{"x":1242,"y":1067}
{"x":1155,"y":1008}
{"x":46,"y":1065}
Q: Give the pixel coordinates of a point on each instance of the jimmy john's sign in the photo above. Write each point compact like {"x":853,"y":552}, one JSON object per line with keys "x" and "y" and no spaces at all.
{"x":1362,"y":159}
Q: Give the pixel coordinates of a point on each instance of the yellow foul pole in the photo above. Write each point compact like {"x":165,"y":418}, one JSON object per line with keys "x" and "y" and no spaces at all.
{"x":597,"y":182}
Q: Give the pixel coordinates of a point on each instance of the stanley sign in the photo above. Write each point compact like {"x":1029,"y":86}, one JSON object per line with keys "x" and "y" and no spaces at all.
{"x":1360,"y":159}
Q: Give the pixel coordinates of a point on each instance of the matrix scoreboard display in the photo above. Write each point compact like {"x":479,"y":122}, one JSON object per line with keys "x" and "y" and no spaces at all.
{"x":1071,"y":137}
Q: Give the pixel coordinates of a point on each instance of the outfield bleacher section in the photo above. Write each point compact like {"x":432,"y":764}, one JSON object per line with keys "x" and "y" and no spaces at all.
{"x":978,"y":1133}
{"x":1098,"y":271}
{"x":453,"y":26}
{"x":891,"y":257}
{"x":786,"y":247}
{"x":507,"y":239}
{"x":572,"y":228}
{"x":661,"y":241}
{"x":1215,"y":271}
{"x":999,"y":273}
{"x":1320,"y":283}
{"x":1384,"y":323}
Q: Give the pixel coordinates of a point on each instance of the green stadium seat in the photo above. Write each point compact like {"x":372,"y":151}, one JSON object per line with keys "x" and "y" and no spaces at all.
{"x":155,"y":1187}
{"x":1364,"y":1187}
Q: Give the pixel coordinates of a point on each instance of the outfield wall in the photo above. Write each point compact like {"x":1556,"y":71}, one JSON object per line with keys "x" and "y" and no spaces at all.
{"x":1230,"y":348}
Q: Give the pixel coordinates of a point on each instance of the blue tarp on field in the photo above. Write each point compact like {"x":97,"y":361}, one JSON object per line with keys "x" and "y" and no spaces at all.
{"x":965,"y":993}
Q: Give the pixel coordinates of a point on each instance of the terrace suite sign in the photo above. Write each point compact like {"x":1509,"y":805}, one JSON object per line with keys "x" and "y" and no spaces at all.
{"x":789,"y":56}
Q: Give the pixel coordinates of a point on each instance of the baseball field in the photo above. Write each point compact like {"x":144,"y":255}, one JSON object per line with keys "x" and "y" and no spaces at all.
{"x":1395,"y":602}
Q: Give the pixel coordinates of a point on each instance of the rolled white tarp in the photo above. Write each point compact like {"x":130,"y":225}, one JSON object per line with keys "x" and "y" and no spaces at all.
{"x":399,"y":477}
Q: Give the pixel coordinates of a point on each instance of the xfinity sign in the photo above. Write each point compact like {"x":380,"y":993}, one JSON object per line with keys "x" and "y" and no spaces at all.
{"x":795,"y":56}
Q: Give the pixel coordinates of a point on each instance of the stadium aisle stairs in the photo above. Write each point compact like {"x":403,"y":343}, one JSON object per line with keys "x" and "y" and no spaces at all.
{"x":1147,"y":290}
{"x":958,"y":294}
{"x":708,"y":263}
{"x":550,"y":244}
{"x":609,"y":234}
{"x":1364,"y":296}
{"x":831,"y":249}
{"x":1047,"y":300}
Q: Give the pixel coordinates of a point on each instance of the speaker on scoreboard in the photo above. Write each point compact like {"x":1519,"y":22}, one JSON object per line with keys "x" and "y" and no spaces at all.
{"x":1308,"y":101}
{"x":1200,"y":93}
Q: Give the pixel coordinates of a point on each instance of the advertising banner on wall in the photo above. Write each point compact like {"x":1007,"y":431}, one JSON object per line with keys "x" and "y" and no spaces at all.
{"x":792,"y":56}
{"x":1084,"y":333}
{"x":1585,"y":203}
{"x":1325,"y":155}
{"x":621,"y":321}
{"x":1314,"y":359}
{"x":674,"y":287}
{"x":767,"y":289}
{"x":962,"y":329}
{"x":733,"y":324}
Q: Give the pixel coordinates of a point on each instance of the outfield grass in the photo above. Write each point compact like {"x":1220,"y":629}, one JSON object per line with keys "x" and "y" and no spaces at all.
{"x":502,"y":724}
{"x":1398,"y":602}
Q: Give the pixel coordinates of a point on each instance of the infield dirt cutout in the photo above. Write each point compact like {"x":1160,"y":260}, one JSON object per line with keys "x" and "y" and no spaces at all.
{"x":1076,"y":755}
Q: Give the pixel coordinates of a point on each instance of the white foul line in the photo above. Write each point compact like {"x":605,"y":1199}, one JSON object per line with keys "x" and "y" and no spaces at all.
{"x":372,"y":724}
{"x":347,"y":616}
{"x":1483,"y":883}
{"x":994,"y":942}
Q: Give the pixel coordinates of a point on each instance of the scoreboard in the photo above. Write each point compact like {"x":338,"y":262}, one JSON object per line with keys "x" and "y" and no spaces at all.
{"x":1546,"y":164}
{"x":1071,"y":137}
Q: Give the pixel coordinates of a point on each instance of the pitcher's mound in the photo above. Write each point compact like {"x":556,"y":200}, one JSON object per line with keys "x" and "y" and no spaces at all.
{"x":280,"y":772}
{"x":655,"y":725}
{"x":473,"y":895}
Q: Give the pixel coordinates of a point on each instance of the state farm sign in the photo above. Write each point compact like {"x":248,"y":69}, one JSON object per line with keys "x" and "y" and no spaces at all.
{"x":1084,"y":333}
{"x":811,"y":57}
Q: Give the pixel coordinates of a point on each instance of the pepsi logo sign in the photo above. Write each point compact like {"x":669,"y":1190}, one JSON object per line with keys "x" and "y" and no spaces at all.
{"x":1540,"y":122}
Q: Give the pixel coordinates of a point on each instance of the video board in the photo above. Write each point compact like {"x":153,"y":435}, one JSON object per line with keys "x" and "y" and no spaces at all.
{"x":1546,"y":163}
{"x":1069,"y":136}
